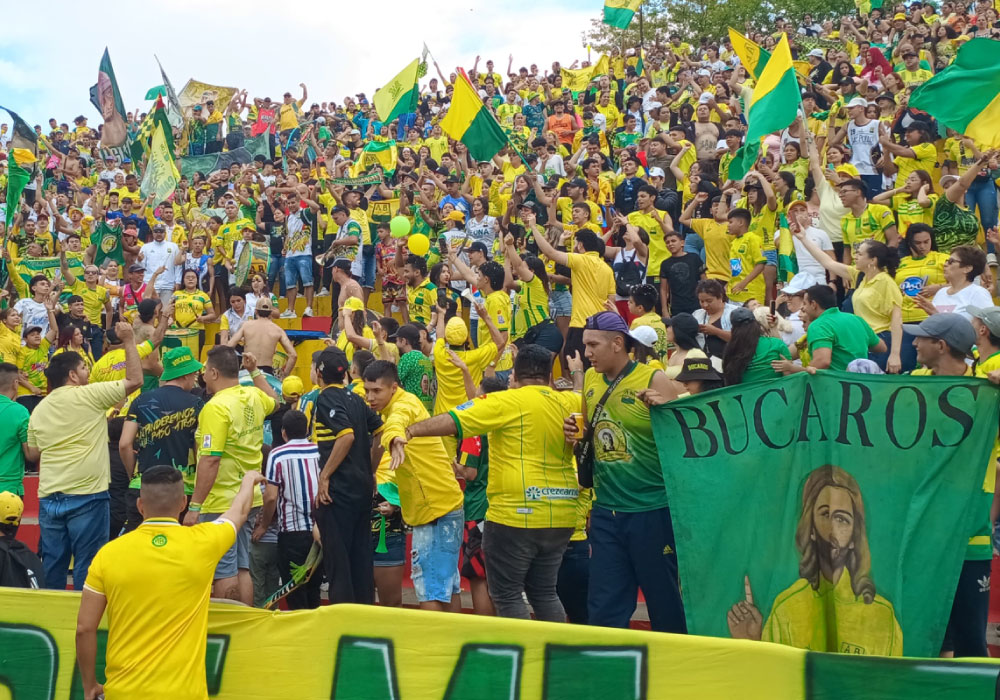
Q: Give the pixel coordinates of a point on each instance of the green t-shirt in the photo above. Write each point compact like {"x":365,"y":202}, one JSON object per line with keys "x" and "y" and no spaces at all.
{"x":627,"y":474}
{"x":768,"y":350}
{"x":848,"y":336}
{"x":475,"y":490}
{"x":13,"y":433}
{"x":416,"y":375}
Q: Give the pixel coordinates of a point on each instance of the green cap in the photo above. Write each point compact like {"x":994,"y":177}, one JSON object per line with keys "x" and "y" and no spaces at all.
{"x":178,"y":362}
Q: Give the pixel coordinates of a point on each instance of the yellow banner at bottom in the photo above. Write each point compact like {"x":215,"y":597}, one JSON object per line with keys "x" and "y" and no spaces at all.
{"x":354,"y":651}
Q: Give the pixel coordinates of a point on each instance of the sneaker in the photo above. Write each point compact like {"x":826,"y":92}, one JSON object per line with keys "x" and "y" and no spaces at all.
{"x":307,"y":312}
{"x":323,"y":293}
{"x":991,"y":259}
{"x":288,"y":313}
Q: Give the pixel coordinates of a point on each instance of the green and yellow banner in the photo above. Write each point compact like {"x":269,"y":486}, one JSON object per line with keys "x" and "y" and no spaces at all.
{"x":346,"y":652}
{"x":829,"y":512}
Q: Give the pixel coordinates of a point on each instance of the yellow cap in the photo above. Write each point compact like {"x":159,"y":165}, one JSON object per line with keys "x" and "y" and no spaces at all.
{"x":291,"y":387}
{"x":11,"y":507}
{"x":456,"y":333}
{"x":354,"y":304}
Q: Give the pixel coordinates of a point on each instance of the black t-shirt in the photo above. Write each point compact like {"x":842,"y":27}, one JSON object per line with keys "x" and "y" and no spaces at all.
{"x":341,"y":412}
{"x":276,"y":236}
{"x":682,"y":273}
{"x":167,"y":419}
{"x":65,"y":320}
{"x":19,"y":566}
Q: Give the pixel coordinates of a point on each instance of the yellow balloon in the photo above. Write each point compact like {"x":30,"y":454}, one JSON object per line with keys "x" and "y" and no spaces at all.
{"x":419,"y":244}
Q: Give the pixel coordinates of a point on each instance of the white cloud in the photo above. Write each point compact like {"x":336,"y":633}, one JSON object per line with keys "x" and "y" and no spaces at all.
{"x":336,"y":48}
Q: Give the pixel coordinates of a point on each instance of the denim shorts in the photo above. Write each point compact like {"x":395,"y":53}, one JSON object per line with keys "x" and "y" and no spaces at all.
{"x":771,"y":258}
{"x":395,"y":543}
{"x":238,"y":556}
{"x":299,"y":269}
{"x":560,"y":303}
{"x":434,"y":558}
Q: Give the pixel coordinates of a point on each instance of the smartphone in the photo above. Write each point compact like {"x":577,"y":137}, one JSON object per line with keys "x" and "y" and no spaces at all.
{"x":774,"y":305}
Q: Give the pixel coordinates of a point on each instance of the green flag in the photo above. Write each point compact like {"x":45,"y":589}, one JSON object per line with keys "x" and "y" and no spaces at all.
{"x":108,"y":100}
{"x":19,"y":166}
{"x":619,"y":13}
{"x":774,"y":105}
{"x":108,"y":240}
{"x":829,"y":511}
{"x":399,"y":95}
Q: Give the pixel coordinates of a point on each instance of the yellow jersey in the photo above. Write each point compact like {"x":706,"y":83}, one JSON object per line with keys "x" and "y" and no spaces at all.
{"x":532,"y":480}
{"x":158,"y":650}
{"x":231,"y":426}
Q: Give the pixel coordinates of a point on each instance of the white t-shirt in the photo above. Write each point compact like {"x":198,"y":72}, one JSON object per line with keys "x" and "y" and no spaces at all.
{"x":156,"y":255}
{"x":298,"y":242}
{"x":808,"y":265}
{"x":862,"y":139}
{"x":33,"y":313}
{"x":973,"y":295}
{"x":553,"y":166}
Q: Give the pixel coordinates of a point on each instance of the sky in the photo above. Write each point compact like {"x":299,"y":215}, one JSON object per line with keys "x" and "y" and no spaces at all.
{"x":257,"y":45}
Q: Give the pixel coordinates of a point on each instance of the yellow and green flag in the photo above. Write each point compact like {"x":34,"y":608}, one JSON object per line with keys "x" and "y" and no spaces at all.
{"x":619,"y":13}
{"x":399,"y":95}
{"x":752,"y":56}
{"x":773,"y":106}
{"x":380,"y":153}
{"x":966,"y":95}
{"x":19,"y":162}
{"x":161,"y":175}
{"x":470,"y":122}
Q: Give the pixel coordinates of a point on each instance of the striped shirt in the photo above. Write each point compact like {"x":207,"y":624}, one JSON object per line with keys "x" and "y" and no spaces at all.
{"x":294,"y":469}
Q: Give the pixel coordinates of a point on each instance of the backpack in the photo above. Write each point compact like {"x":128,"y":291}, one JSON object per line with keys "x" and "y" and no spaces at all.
{"x":629,"y":273}
{"x":19,"y":567}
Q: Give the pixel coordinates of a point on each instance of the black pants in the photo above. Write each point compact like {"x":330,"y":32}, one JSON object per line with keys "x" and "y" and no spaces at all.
{"x":525,"y":561}
{"x":345,"y":533}
{"x":966,"y":632}
{"x":574,"y":580}
{"x":293,"y":548}
{"x":133,"y":518}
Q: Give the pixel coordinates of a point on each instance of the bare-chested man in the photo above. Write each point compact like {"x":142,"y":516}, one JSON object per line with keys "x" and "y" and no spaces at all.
{"x":261,"y":336}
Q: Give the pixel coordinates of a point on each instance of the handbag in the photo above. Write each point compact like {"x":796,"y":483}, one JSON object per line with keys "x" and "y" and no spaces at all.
{"x":584,"y":449}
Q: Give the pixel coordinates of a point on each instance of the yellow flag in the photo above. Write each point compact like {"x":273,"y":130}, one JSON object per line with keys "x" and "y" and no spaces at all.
{"x":161,"y":174}
{"x":751,"y":55}
{"x":602,"y":67}
{"x":576,"y":79}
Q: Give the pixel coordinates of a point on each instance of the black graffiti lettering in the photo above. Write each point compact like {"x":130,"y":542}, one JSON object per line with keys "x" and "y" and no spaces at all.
{"x":857,"y":414}
{"x":957,"y":414}
{"x":687,"y":429}
{"x":890,"y":415}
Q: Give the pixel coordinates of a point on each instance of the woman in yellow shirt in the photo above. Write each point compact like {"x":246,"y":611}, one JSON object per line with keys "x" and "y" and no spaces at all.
{"x":10,"y":335}
{"x":795,"y":164}
{"x":919,"y":273}
{"x":877,"y":298}
{"x":193,"y":307}
{"x":913,"y":202}
{"x":71,"y":340}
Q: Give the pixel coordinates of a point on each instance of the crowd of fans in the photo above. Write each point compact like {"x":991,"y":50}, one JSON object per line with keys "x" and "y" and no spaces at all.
{"x":606,"y":241}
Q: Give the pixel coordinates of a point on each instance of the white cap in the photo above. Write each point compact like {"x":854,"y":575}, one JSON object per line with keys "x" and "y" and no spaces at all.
{"x":816,"y":53}
{"x":600,"y":121}
{"x":705,"y":98}
{"x":857,"y":102}
{"x":654,"y":105}
{"x":656,"y":172}
{"x":645,"y":335}
{"x":704,"y":71}
{"x":321,"y":120}
{"x":798,"y":284}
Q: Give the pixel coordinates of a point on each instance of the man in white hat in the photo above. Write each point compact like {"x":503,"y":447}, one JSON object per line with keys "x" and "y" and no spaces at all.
{"x":862,"y":136}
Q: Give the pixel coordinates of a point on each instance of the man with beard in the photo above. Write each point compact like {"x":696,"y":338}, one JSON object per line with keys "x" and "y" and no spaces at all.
{"x":835,"y":585}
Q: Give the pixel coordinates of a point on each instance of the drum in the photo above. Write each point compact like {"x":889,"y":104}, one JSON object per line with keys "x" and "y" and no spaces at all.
{"x":254,"y":258}
{"x":182,"y":337}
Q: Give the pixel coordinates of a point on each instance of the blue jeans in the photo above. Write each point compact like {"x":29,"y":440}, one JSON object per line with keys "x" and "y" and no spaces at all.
{"x":72,"y":525}
{"x":881,"y":358}
{"x":368,"y":271}
{"x":274,"y":272}
{"x":907,"y":353}
{"x":630,"y":551}
{"x":873,"y":182}
{"x":983,"y":195}
{"x":96,"y":341}
{"x":299,"y":269}
{"x":434,"y":557}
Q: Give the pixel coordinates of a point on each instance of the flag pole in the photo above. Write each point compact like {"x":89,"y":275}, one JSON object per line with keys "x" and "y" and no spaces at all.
{"x":642,"y":43}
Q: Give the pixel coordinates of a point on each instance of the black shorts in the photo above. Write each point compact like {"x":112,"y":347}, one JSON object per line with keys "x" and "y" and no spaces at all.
{"x":472,"y":564}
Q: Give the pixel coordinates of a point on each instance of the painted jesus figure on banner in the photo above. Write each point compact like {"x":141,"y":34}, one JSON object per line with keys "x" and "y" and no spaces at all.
{"x":833,"y":605}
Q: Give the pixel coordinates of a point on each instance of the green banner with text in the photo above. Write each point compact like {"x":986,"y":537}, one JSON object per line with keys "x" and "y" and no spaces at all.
{"x":829,"y":512}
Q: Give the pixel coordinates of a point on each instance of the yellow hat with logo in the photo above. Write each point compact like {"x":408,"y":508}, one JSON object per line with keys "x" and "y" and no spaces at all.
{"x":291,"y":387}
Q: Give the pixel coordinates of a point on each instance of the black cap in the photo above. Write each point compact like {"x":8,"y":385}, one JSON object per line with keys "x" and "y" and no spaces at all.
{"x":136,"y":268}
{"x":528,"y":205}
{"x":578,"y":182}
{"x":343,"y":263}
{"x":479,"y":247}
{"x":32,"y":329}
{"x":333,"y":357}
